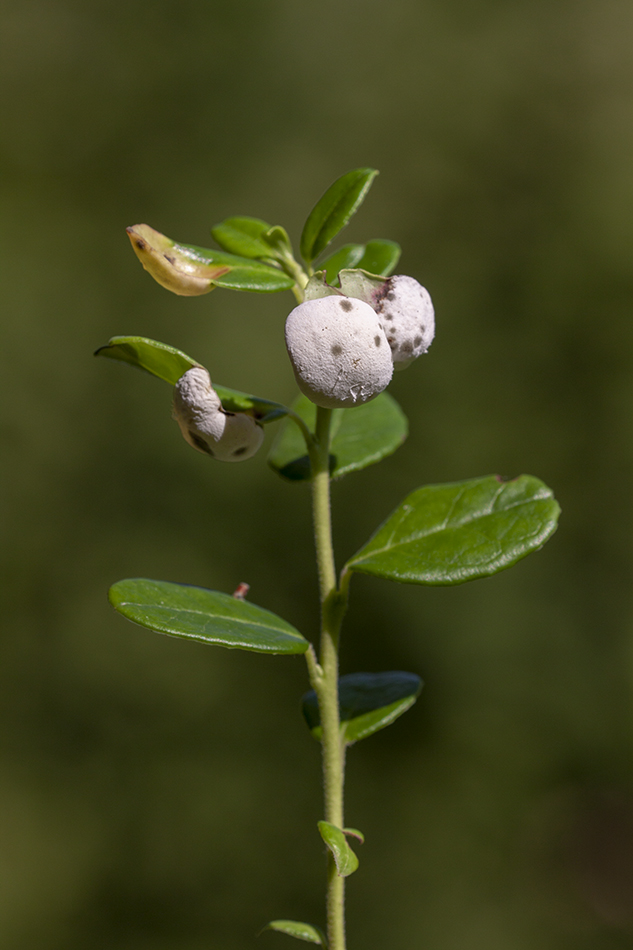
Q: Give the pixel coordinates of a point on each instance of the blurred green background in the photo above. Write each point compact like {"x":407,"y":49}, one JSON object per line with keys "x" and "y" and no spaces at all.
{"x":159,"y":795}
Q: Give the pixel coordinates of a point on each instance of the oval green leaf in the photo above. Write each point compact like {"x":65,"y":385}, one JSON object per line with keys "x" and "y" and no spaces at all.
{"x":448,"y":534}
{"x":360,"y":437}
{"x":296,"y":928}
{"x":367,"y":702}
{"x":159,"y":359}
{"x":380,"y":258}
{"x":210,"y":616}
{"x":344,"y":858}
{"x":332,"y":212}
{"x":347,"y":256}
{"x":241,"y":274}
{"x":243,"y":236}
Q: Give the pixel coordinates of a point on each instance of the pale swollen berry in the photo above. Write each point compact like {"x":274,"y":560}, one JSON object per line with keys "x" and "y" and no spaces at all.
{"x":339,"y":351}
{"x":406,"y":315}
{"x":206,"y":426}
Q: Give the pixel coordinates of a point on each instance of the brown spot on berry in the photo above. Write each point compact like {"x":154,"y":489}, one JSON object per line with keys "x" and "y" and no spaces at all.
{"x":377,"y":340}
{"x":241,"y":450}
{"x":336,"y":350}
{"x":417,"y":341}
{"x":407,"y":346}
{"x":345,"y":305}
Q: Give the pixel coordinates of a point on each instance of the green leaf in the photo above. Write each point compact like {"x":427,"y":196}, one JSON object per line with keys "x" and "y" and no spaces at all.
{"x":367,"y":702}
{"x":241,"y":273}
{"x":354,"y":833}
{"x":332,"y":212}
{"x":207,"y":615}
{"x":278,"y":241}
{"x":344,"y":858}
{"x":346,"y":256}
{"x":159,"y":359}
{"x":360,"y":437}
{"x":295,"y":928}
{"x":263,"y":409}
{"x":242,"y":236}
{"x":380,"y":258}
{"x":448,"y":534}
{"x":169,"y":364}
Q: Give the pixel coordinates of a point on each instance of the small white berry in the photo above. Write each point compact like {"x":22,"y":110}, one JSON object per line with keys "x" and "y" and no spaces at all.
{"x":406,"y":315}
{"x":206,"y":426}
{"x":338,"y":350}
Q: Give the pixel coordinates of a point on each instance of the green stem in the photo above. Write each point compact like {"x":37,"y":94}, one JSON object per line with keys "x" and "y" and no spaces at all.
{"x":320,"y":461}
{"x":294,"y":270}
{"x":305,"y":431}
{"x":324,"y":675}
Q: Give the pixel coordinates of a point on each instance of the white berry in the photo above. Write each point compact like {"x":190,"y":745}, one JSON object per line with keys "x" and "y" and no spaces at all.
{"x":206,"y":426}
{"x":406,"y":315}
{"x":339,"y":351}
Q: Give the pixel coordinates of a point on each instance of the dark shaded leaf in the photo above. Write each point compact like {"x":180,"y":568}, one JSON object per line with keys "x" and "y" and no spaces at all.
{"x":367,"y":702}
{"x":360,"y":437}
{"x":448,"y":534}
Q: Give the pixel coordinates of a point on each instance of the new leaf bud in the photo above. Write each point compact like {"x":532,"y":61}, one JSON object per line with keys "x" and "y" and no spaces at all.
{"x":206,"y":426}
{"x":339,"y":351}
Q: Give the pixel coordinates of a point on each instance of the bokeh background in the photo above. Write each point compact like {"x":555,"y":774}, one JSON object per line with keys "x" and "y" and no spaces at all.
{"x":159,"y":794}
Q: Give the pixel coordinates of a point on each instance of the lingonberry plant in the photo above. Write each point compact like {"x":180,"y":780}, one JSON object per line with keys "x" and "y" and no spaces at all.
{"x":352,"y":326}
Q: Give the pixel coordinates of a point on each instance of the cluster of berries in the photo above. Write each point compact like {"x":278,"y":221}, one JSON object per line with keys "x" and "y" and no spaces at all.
{"x":343,"y":351}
